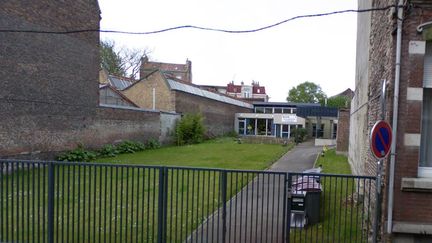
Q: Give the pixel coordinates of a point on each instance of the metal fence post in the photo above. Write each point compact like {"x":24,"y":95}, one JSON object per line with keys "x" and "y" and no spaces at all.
{"x":286,"y":221}
{"x":50,"y":202}
{"x":377,"y":204}
{"x":161,"y":238}
{"x":224,"y":198}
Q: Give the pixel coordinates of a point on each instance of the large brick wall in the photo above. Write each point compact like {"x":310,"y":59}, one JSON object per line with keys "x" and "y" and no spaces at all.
{"x":408,"y":205}
{"x":49,"y":83}
{"x":47,"y":68}
{"x":219,"y":117}
{"x":378,"y":64}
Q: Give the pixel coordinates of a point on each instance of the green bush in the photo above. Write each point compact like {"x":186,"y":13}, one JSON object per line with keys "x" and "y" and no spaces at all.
{"x":190,"y":129}
{"x":108,"y":151}
{"x":129,"y":147}
{"x":77,"y":155}
{"x":152,"y":144}
{"x":299,"y":134}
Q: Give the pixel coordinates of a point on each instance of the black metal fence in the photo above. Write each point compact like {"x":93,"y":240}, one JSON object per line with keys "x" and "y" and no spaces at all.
{"x":93,"y":202}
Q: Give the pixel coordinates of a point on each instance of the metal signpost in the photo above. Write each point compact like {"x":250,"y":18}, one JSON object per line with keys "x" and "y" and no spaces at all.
{"x":380,"y":142}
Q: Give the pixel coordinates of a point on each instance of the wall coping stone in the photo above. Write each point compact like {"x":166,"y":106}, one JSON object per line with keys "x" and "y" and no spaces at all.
{"x":416,"y":184}
{"x":412,"y":227}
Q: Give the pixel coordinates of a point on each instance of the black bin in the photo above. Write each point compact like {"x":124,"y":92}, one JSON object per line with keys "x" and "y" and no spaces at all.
{"x":311,"y":189}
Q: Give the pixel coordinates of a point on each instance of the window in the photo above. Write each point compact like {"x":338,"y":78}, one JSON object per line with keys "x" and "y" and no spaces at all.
{"x":268,"y":110}
{"x":241,"y":125}
{"x":292,"y":128}
{"x":334,"y":131}
{"x":287,"y":110}
{"x":259,"y":109}
{"x":314,"y":130}
{"x":425,"y":163}
{"x":270,"y":131}
{"x":265,"y":127}
{"x":278,"y":110}
{"x":250,"y":127}
{"x":261,"y":126}
{"x":294,"y":110}
{"x":426,"y":131}
{"x":285,"y":131}
{"x":321,"y":131}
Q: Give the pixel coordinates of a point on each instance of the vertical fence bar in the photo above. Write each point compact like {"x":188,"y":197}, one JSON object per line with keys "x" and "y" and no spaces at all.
{"x":286,"y":207}
{"x":1,"y":203}
{"x":161,"y":206}
{"x":165,"y":205}
{"x":224,"y":198}
{"x":50,"y":203}
{"x":377,"y":205}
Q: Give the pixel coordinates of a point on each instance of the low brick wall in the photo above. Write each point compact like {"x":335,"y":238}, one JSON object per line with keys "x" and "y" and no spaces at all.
{"x":42,"y":137}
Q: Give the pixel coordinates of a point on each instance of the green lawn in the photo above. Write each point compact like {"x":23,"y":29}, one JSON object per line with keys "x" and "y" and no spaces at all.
{"x":333,"y":163}
{"x":342,"y":219}
{"x":220,"y":153}
{"x":105,"y":203}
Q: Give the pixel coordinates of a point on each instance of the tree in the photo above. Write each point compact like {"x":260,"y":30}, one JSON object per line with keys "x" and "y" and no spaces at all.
{"x":339,"y":102}
{"x":306,"y":92}
{"x":121,"y":61}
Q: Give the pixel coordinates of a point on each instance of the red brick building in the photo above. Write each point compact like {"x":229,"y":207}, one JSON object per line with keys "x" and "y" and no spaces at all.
{"x":249,"y":93}
{"x":178,"y":71}
{"x":253,"y":92}
{"x":399,"y":52}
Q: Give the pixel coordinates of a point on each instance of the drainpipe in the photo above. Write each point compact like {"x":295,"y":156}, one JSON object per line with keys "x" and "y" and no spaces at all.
{"x":154,"y":98}
{"x":395,"y":118}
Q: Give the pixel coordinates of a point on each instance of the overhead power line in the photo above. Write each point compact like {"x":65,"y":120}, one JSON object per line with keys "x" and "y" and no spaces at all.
{"x":200,"y":27}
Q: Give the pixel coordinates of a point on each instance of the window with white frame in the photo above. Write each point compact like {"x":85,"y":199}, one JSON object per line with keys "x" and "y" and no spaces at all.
{"x":425,"y":163}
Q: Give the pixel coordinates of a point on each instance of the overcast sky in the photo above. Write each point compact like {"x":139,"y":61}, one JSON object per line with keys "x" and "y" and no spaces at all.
{"x":320,"y":50}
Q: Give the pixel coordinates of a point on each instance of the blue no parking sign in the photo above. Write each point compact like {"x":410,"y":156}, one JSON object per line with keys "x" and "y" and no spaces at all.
{"x":381,"y":139}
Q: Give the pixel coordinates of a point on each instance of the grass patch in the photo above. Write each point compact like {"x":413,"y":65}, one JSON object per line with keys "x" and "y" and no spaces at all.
{"x":333,"y":163}
{"x":219,"y":153}
{"x":94,"y":203}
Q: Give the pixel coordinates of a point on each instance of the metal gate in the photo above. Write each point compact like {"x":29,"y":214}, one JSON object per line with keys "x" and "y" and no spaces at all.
{"x":94,"y":202}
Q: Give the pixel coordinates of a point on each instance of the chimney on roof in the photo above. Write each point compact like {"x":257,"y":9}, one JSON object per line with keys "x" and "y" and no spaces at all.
{"x":189,"y":70}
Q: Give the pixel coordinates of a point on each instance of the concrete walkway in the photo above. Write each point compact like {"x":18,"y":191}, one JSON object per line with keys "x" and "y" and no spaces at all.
{"x":256,"y":213}
{"x":300,"y":158}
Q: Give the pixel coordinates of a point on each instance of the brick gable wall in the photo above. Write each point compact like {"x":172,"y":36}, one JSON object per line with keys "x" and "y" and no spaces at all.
{"x":141,"y":93}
